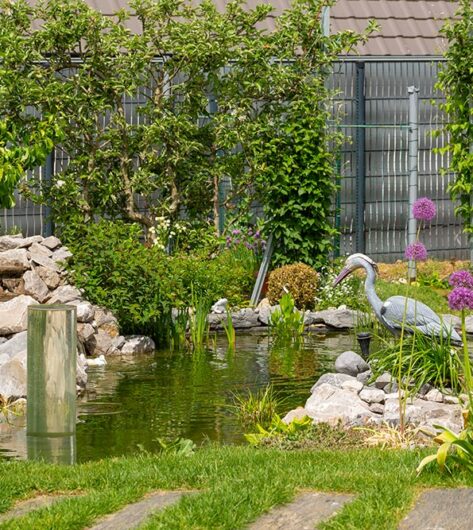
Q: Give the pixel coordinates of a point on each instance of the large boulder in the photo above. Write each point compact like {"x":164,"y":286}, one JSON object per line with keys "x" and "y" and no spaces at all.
{"x":334,"y":318}
{"x":332,"y":405}
{"x":333,"y":379}
{"x":35,"y":286}
{"x":13,"y":379}
{"x":14,"y":314}
{"x":350,"y":363}
{"x":16,"y":344}
{"x":138,"y":344}
{"x":14,"y":262}
{"x":64,"y":294}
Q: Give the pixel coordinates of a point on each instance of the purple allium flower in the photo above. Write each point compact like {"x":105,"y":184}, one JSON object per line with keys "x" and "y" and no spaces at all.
{"x":237,"y":241}
{"x":257,"y":234}
{"x":461,"y":279}
{"x":424,"y":209}
{"x":460,"y":298}
{"x":416,"y":252}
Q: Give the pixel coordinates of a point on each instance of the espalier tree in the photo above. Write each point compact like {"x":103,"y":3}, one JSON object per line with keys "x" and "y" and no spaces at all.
{"x":456,"y":82}
{"x":167,"y":152}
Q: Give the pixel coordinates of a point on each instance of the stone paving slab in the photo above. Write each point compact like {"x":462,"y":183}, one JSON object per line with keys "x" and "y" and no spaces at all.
{"x":307,"y":510}
{"x":23,"y":507}
{"x":441,"y":509}
{"x":133,"y":515}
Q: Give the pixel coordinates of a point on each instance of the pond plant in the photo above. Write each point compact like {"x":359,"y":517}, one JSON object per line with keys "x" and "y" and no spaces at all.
{"x":286,"y":323}
{"x":257,"y":407}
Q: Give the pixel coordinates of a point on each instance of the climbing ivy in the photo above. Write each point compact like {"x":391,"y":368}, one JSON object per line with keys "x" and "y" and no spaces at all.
{"x":456,"y":82}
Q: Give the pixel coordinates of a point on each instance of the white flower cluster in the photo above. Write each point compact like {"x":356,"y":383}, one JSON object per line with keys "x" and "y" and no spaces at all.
{"x":162,"y":231}
{"x":330,"y":296}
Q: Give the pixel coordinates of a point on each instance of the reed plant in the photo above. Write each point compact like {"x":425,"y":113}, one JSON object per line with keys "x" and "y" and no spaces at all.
{"x":257,"y":408}
{"x":229,"y":331}
{"x":286,"y":322}
{"x":199,"y":322}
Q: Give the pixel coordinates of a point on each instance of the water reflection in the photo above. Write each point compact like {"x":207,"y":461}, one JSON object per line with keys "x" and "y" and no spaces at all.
{"x":133,"y":401}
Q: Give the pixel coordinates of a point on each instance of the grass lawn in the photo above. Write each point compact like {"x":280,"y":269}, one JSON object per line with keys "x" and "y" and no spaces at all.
{"x":237,"y":484}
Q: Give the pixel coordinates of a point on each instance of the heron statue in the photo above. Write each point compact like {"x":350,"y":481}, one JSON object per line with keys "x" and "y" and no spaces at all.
{"x":397,"y":309}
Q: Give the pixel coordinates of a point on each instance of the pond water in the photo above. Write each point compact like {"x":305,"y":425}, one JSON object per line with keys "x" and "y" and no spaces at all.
{"x":132,"y":401}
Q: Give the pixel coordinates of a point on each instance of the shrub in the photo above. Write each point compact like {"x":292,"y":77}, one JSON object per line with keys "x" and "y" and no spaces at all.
{"x":298,"y":279}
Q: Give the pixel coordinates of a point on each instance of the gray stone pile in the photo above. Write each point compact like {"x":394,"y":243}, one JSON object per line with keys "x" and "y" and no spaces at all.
{"x":351,"y":397}
{"x":32,"y":272}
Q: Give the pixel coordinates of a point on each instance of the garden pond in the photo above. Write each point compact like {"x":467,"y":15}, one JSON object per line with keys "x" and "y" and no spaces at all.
{"x":133,"y":401}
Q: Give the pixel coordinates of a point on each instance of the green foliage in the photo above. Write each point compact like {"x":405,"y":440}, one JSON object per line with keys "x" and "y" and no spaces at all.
{"x":455,"y":450}
{"x":456,"y":82}
{"x":229,"y":331}
{"x":423,"y":360}
{"x":279,"y":429}
{"x":267,"y":131}
{"x":142,"y":284}
{"x":199,"y":322}
{"x":286,"y":322}
{"x":298,"y":279}
{"x":258,"y":407}
{"x":432,"y":280}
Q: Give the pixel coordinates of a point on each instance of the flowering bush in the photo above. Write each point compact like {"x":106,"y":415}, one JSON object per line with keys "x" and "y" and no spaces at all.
{"x":250,"y":238}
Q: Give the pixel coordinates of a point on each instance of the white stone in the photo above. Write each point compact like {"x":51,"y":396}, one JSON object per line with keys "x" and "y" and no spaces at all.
{"x":13,"y":379}
{"x":118,"y":342}
{"x":4,"y":358}
{"x":49,"y":277}
{"x":28,"y":241}
{"x":64,"y":294}
{"x":85,"y":311}
{"x":297,"y":414}
{"x":372,"y":395}
{"x":434,"y":395}
{"x":46,"y":262}
{"x":335,"y":318}
{"x":9,"y":243}
{"x":377,"y":408}
{"x":265,"y":312}
{"x":350,"y":363}
{"x":13,"y":314}
{"x":329,"y":404}
{"x":62,"y":254}
{"x":451,"y":400}
{"x":14,"y":261}
{"x":138,"y":344}
{"x":332,"y":379}
{"x":36,"y":248}
{"x":99,"y":343}
{"x":16,"y":344}
{"x":352,"y":386}
{"x":51,"y":242}
{"x":35,"y":287}
{"x":85,"y":332}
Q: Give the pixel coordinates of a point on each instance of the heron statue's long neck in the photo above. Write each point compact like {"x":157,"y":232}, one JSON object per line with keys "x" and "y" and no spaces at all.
{"x":370,"y":291}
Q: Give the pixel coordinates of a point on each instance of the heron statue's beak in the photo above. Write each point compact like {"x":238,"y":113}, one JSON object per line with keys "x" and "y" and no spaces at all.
{"x":345,"y":272}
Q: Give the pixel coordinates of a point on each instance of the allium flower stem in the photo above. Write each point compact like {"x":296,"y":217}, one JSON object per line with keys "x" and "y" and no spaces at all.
{"x":466,"y":364}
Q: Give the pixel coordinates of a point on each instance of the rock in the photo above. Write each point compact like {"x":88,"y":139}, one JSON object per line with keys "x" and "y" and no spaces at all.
{"x":394,"y":395}
{"x":372,"y":395}
{"x":383,"y":380}
{"x":468,"y":323}
{"x":245,"y":318}
{"x":85,"y":311}
{"x":15,"y":345}
{"x":364,"y":377}
{"x":85,"y":332}
{"x":350,"y":363}
{"x":9,"y":243}
{"x":51,"y":242}
{"x":36,"y":249}
{"x":297,"y":414}
{"x":99,"y":343}
{"x":335,"y":318}
{"x":103,"y":316}
{"x":4,"y":358}
{"x":49,"y":277}
{"x":220,"y":306}
{"x":14,"y":262}
{"x":263,"y":303}
{"x":432,"y":413}
{"x":61,"y":254}
{"x":265,"y":312}
{"x":434,"y":395}
{"x":13,"y":380}
{"x":425,"y":388}
{"x":46,"y":262}
{"x":138,"y":344}
{"x":332,"y":405}
{"x":81,"y":374}
{"x":215,"y":321}
{"x":13,"y":314}
{"x":336,"y":380}
{"x":377,"y":408}
{"x":35,"y":287}
{"x":64,"y":294}
{"x":118,"y":342}
{"x":14,"y":285}
{"x":451,"y":400}
{"x":111,"y":328}
{"x":352,"y":385}
{"x":28,"y":241}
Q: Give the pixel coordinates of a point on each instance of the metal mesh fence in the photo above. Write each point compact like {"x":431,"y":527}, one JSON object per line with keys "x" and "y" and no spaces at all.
{"x":385,"y":160}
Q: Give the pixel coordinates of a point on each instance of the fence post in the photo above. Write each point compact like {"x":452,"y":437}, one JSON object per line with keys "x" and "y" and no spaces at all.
{"x":51,"y":382}
{"x":360,"y":158}
{"x":413,"y":143}
{"x":48,"y":174}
